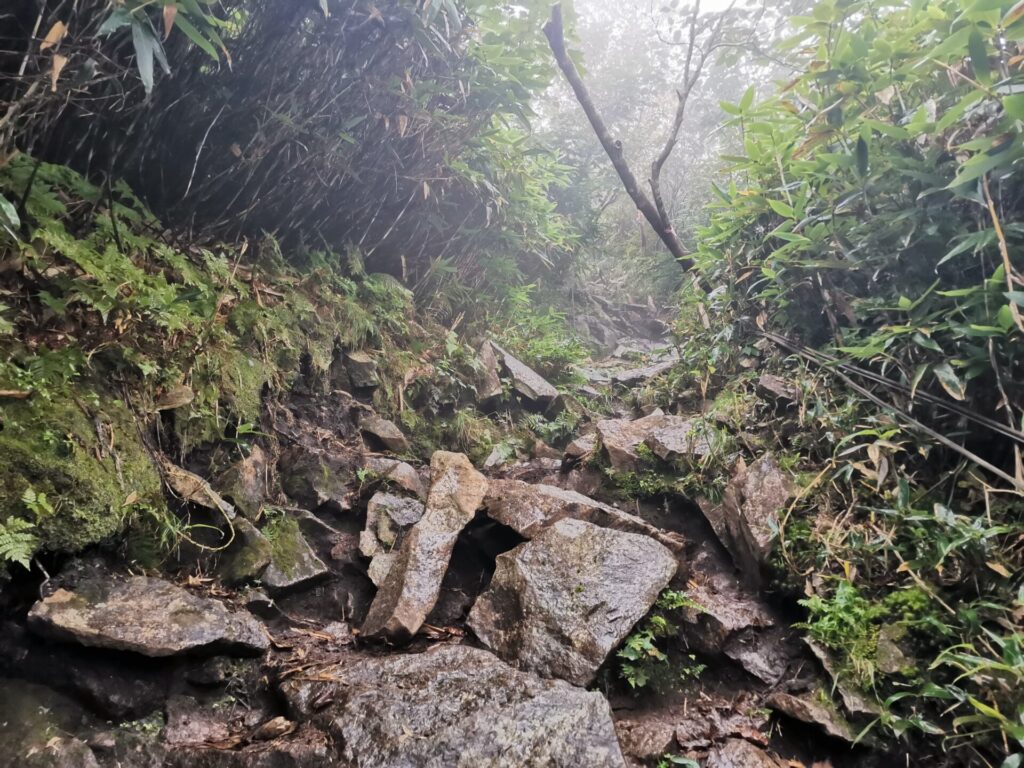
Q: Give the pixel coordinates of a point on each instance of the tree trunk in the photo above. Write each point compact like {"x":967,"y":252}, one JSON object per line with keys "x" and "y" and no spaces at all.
{"x":555,"y":34}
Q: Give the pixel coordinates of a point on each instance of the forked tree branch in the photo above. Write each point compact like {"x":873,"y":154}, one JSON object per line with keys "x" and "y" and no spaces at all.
{"x":555,"y":34}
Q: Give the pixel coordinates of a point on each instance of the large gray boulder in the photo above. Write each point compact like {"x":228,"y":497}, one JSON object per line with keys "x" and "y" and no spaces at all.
{"x":530,"y":509}
{"x":454,"y":707}
{"x":145,"y":615}
{"x":559,"y":604}
{"x":413,"y":581}
{"x":747,"y":519}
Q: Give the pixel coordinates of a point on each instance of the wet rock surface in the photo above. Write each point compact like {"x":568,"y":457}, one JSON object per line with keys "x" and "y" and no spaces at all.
{"x":144,"y":615}
{"x":559,"y":604}
{"x":454,"y":706}
{"x":620,"y":438}
{"x":747,"y":519}
{"x":529,"y":509}
{"x":413,"y":582}
{"x":293,"y":563}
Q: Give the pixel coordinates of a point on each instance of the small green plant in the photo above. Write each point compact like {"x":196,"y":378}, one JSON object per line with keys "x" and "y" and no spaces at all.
{"x":846,"y":623}
{"x":17,"y":541}
{"x":552,"y":431}
{"x":668,"y":761}
{"x":644,"y":660}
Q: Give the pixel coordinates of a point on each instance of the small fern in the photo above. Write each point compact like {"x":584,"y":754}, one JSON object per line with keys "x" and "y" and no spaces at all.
{"x":17,"y":542}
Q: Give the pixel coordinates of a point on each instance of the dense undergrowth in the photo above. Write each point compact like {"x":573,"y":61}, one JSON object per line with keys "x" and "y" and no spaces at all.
{"x":874,"y":216}
{"x":108,"y":323}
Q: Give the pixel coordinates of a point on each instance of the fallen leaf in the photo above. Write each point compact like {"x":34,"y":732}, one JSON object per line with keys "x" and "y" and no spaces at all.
{"x":59,"y":62}
{"x":54,"y":36}
{"x":999,"y":568}
{"x":170,"y":14}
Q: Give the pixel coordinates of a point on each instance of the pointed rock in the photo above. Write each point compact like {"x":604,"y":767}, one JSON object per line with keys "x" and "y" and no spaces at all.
{"x":747,"y":519}
{"x":530,"y":509}
{"x":489,"y":381}
{"x":620,"y":438}
{"x":398,"y":472}
{"x":148,"y":616}
{"x":677,"y":438}
{"x":244,"y":482}
{"x":313,"y":478}
{"x":558,"y":605}
{"x":454,"y":706}
{"x":413,"y":581}
{"x":386,"y":432}
{"x":814,"y":708}
{"x":581,"y":448}
{"x":527,"y":381}
{"x":777,"y":388}
{"x":247,"y":556}
{"x":635,"y":376}
{"x":388,"y":519}
{"x":191,"y":487}
{"x":856,"y":701}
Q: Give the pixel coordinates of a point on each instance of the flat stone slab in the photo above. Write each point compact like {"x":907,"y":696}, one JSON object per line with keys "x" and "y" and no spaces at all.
{"x":454,"y":707}
{"x":527,"y":381}
{"x":530,"y":509}
{"x":144,"y":615}
{"x":639,"y":375}
{"x":413,"y":582}
{"x":559,"y":604}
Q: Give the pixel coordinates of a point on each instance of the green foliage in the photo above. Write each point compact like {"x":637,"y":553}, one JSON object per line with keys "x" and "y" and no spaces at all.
{"x":554,"y":431}
{"x":17,"y":541}
{"x":846,"y":623}
{"x":874,"y":214}
{"x":539,"y":337}
{"x":644,"y":660}
{"x":185,"y":15}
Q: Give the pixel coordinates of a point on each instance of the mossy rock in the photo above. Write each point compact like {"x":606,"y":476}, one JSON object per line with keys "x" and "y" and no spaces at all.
{"x":52,"y":447}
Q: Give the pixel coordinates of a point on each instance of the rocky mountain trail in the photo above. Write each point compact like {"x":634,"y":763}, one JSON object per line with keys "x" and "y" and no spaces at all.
{"x":371,"y":610}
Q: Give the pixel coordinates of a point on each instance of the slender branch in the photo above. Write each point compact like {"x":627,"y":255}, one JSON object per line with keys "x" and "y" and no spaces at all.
{"x":555,"y":34}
